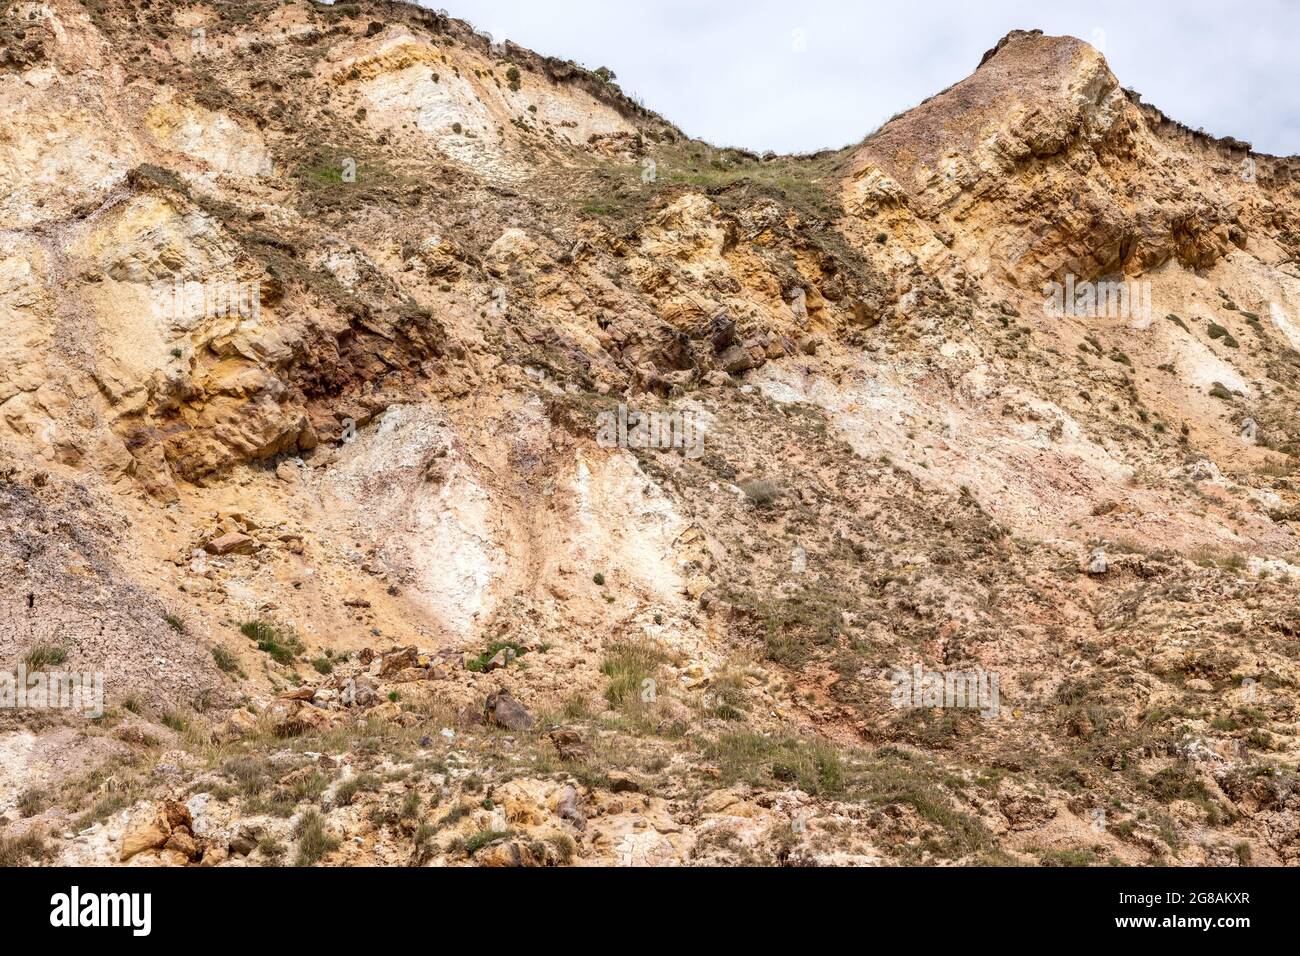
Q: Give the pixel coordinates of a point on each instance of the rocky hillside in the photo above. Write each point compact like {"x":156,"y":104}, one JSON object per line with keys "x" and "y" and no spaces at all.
{"x":331,"y":336}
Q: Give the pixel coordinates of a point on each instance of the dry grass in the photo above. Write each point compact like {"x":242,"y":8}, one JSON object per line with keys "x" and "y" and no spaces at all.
{"x":22,"y":851}
{"x":631,"y":667}
{"x":314,"y":841}
{"x":41,"y":656}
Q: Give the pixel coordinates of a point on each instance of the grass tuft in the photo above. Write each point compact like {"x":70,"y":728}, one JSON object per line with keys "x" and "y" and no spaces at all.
{"x":314,"y":841}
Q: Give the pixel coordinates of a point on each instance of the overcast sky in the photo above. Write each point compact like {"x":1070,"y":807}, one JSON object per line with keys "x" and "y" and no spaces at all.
{"x":805,"y":75}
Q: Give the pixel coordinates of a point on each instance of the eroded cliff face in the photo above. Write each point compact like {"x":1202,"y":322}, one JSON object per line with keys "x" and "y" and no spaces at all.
{"x":326,"y":330}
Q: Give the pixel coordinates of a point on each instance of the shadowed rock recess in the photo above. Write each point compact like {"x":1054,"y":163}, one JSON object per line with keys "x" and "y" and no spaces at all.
{"x":446,"y":461}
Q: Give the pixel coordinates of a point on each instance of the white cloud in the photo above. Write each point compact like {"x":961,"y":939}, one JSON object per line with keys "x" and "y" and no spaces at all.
{"x":728,"y":71}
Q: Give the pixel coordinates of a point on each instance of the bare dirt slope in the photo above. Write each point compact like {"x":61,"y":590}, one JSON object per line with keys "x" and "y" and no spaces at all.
{"x":310,"y":318}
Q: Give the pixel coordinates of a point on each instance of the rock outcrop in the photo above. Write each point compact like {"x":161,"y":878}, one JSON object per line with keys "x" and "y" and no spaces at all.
{"x":444,"y":459}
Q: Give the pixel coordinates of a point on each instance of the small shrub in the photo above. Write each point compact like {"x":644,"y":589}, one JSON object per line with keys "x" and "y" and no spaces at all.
{"x":281,"y":645}
{"x":252,"y":775}
{"x":812,"y":764}
{"x":479,"y":664}
{"x":31,"y":802}
{"x":314,"y":841}
{"x":1233,"y":562}
{"x":347,"y":791}
{"x":1180,"y":783}
{"x":761,"y":493}
{"x":727,"y":697}
{"x":1221,"y":391}
{"x":424,"y":845}
{"x":628,"y":666}
{"x":472,"y":844}
{"x":1217,"y":331}
{"x":44,"y":655}
{"x":576,"y":707}
{"x":1067,"y":858}
{"x":103,"y":808}
{"x":18,"y":851}
{"x":257,"y":631}
{"x":565,"y":848}
{"x":225,"y":660}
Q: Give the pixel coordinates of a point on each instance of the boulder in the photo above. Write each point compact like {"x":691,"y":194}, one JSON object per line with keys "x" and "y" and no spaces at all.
{"x":152,"y":828}
{"x":292,"y":718}
{"x":722,"y":332}
{"x":1023,"y":809}
{"x":364,"y":693}
{"x":146,"y":833}
{"x":389,"y":710}
{"x":620,"y":782}
{"x":504,"y":853}
{"x":177,"y":815}
{"x":500,"y":659}
{"x":568,"y":808}
{"x":245,"y":841}
{"x":742,"y":358}
{"x":408,"y":675}
{"x":182,"y":841}
{"x":232,"y":543}
{"x":239,"y":724}
{"x":215,"y":855}
{"x":399,"y":661}
{"x":502,"y":710}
